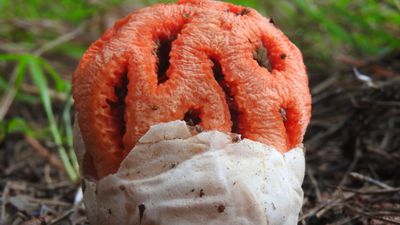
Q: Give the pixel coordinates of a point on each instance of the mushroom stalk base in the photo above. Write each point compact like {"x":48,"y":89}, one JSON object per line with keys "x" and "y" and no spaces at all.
{"x":175,"y":175}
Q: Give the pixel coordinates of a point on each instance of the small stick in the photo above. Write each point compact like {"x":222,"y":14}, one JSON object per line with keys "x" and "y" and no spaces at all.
{"x":50,"y":202}
{"x":361,"y":212}
{"x":314,"y":183}
{"x":353,"y":164}
{"x":325,"y":206}
{"x":324,"y":85}
{"x":378,"y":69}
{"x":6,"y":190}
{"x":370,"y":180}
{"x":338,"y":202}
{"x":63,"y":216}
{"x":8,"y":99}
{"x":346,"y":220}
{"x":31,"y":89}
{"x":60,"y":40}
{"x":44,"y":152}
{"x":383,"y":154}
{"x":372,"y":191}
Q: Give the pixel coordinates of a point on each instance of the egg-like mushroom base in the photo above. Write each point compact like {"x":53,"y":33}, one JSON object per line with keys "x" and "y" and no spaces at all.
{"x":176,"y":175}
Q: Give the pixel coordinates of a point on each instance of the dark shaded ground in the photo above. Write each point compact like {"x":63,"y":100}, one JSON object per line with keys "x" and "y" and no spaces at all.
{"x":353,"y":155}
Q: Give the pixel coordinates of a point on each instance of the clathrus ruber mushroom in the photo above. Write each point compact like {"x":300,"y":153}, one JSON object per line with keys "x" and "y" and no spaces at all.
{"x":192,"y":113}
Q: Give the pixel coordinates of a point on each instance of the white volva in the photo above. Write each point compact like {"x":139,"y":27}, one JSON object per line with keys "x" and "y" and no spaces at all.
{"x":175,"y":176}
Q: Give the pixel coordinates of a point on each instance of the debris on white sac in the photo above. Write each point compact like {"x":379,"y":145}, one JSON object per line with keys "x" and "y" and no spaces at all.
{"x":176,"y":175}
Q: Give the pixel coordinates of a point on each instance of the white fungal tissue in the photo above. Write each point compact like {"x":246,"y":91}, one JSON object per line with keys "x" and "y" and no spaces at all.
{"x":178,"y":176}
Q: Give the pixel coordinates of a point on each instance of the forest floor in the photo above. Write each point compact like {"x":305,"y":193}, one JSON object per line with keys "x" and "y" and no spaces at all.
{"x":352,"y":153}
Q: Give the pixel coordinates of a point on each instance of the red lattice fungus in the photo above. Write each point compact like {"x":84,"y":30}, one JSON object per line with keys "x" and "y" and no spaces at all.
{"x":221,"y":66}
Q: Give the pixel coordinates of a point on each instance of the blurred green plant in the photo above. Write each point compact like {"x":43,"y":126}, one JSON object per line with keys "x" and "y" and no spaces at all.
{"x":65,"y":10}
{"x":27,"y":30}
{"x":368,"y":27}
{"x":323,"y":29}
{"x":38,"y":68}
{"x":363,"y":28}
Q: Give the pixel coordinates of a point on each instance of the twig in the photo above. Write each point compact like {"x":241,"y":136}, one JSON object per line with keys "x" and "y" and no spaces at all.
{"x":52,"y":186}
{"x":325,"y":95}
{"x":352,"y":61}
{"x":372,"y":192}
{"x":46,"y":24}
{"x":50,"y":202}
{"x":346,"y":220}
{"x":63,"y":216}
{"x":384,"y":154}
{"x":45,"y":153}
{"x":370,"y":180}
{"x":314,"y":183}
{"x":8,"y":99}
{"x":324,"y":207}
{"x":332,"y":130}
{"x":31,"y":89}
{"x":343,"y":198}
{"x":60,"y":40}
{"x":372,"y":215}
{"x":14,"y":167}
{"x":47,"y":176}
{"x":388,"y":135}
{"x":378,"y":69}
{"x":324,"y":85}
{"x":382,"y":103}
{"x":13,"y":48}
{"x":6,"y":190}
{"x":357,"y":156}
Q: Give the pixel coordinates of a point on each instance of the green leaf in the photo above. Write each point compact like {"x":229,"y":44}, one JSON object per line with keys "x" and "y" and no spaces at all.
{"x":18,"y":125}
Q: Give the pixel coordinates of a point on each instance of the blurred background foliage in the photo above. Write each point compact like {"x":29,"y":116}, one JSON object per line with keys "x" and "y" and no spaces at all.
{"x":41,"y":42}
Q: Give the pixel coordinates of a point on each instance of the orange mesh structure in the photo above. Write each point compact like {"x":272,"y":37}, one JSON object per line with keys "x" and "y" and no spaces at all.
{"x":222,"y":66}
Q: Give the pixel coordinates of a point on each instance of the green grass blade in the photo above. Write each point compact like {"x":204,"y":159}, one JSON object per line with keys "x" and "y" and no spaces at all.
{"x":16,"y":79}
{"x":336,"y":31}
{"x":397,"y":4}
{"x":12,"y":57}
{"x":69,"y":133}
{"x":61,"y":84}
{"x":40,"y":81}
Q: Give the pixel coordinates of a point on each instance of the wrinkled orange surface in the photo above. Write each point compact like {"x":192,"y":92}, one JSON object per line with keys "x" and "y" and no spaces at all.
{"x":118,"y":94}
